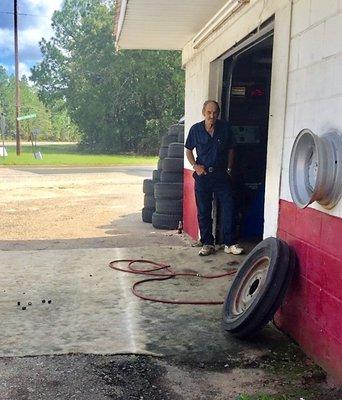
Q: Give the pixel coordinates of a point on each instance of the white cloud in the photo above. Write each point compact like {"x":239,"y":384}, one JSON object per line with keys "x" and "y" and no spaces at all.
{"x":24,"y":69}
{"x":7,"y":67}
{"x":30,"y":37}
{"x":32,"y":28}
{"x":26,"y":38}
{"x":6,"y":40}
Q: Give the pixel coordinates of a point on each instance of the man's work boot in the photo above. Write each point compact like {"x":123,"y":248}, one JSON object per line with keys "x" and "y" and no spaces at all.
{"x":206,"y":250}
{"x":233,"y":249}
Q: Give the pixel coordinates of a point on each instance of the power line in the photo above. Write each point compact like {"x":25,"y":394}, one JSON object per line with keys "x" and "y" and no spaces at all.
{"x":25,"y":14}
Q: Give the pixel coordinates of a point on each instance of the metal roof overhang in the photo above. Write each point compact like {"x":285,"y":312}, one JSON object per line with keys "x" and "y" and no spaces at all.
{"x":165,"y":24}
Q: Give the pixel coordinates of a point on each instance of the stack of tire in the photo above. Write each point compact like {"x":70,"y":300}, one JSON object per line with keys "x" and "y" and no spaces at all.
{"x":163,"y":200}
{"x":149,"y":200}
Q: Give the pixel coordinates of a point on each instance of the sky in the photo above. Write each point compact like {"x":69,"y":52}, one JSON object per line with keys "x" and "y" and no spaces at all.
{"x":31,"y":29}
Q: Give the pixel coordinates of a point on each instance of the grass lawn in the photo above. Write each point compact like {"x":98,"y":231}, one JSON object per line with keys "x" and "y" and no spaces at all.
{"x":67,"y":154}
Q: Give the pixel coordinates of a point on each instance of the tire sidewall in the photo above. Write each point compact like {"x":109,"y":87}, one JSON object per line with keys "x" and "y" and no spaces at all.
{"x":264,"y":302}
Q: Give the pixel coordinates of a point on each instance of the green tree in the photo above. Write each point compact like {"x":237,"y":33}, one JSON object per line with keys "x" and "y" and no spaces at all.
{"x":120,"y":101}
{"x":29,"y":103}
{"x":63,"y":129}
{"x":53,"y":124}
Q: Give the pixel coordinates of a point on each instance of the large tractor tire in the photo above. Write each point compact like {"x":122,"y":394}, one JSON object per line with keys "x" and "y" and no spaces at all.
{"x":160,"y":164}
{"x":258,"y":288}
{"x":173,"y":164}
{"x":146,"y":214}
{"x":148,"y":186}
{"x":176,"y":150}
{"x":167,"y":139}
{"x":171,"y":177}
{"x":156,"y":175}
{"x":166,"y":221}
{"x":176,"y":129}
{"x":169,"y":206}
{"x":164,"y":190}
{"x":163,"y":151}
{"x":149,"y":201}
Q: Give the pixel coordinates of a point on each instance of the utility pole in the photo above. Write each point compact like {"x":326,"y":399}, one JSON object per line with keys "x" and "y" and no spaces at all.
{"x":17,"y":99}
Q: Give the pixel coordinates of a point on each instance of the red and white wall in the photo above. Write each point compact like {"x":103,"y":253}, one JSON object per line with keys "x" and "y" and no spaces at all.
{"x":306,"y":92}
{"x":312,"y":309}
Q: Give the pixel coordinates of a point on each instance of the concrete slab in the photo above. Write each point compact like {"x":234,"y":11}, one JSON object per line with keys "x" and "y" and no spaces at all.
{"x":93,"y":310}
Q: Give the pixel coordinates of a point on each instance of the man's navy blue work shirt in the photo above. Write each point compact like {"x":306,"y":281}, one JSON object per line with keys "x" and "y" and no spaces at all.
{"x":212,"y":151}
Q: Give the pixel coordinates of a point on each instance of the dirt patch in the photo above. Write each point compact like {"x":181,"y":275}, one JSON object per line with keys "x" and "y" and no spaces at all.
{"x":133,"y":377}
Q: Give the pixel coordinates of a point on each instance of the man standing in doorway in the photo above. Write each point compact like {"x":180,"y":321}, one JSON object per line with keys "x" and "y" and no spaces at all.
{"x":214,"y":143}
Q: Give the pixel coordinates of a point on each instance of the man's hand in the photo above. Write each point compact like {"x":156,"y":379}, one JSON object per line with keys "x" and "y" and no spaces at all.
{"x":199,"y":169}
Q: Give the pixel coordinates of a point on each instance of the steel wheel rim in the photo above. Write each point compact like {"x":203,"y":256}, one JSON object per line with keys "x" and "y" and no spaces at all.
{"x":312,"y":169}
{"x":316,"y":169}
{"x":251,"y":285}
{"x":333,"y":191}
{"x":307,"y":158}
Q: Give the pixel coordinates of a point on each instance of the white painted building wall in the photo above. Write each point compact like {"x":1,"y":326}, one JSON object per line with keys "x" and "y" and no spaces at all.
{"x":306,"y":90}
{"x":315,"y":77}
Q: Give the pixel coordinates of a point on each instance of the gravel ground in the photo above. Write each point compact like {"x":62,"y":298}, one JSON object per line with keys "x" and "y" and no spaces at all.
{"x":98,"y":209}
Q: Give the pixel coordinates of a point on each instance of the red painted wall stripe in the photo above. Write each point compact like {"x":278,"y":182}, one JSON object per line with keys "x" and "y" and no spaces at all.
{"x":190,"y":223}
{"x":311,"y":311}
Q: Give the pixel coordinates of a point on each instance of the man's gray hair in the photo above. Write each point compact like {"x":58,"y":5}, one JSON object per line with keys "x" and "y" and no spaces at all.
{"x":211,"y":101}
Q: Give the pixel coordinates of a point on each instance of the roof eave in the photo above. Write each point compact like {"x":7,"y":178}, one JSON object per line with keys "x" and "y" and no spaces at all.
{"x":120,"y":12}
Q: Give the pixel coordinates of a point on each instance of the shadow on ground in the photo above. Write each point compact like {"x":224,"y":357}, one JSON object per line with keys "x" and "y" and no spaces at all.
{"x":126,"y":231}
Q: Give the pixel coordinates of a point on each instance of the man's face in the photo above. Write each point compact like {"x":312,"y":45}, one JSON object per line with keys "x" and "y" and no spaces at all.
{"x":210,"y":113}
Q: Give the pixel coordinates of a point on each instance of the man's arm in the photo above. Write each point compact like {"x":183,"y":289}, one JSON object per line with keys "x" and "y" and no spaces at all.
{"x":199,"y":169}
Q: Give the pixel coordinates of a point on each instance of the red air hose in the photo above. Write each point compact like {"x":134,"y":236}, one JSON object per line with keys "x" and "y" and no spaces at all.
{"x":165,"y":272}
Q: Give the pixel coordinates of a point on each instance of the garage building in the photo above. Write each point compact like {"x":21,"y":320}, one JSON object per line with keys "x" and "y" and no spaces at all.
{"x":275,"y":68}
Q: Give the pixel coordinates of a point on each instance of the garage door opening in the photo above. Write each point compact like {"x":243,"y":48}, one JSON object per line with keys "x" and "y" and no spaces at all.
{"x":245,"y":104}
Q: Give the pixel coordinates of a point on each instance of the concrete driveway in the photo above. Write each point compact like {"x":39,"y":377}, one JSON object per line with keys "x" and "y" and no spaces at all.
{"x":94,"y":339}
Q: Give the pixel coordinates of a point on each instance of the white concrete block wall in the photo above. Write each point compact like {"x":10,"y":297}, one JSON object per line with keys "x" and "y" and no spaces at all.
{"x":194,"y":89}
{"x":290,"y":121}
{"x":301,"y":16}
{"x":314,"y":90}
{"x":294,"y":56}
{"x":317,"y":13}
{"x":314,"y":98}
{"x":311,"y":47}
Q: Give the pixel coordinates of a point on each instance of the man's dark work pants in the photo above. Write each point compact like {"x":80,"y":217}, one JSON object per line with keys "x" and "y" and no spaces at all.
{"x":218,"y":183}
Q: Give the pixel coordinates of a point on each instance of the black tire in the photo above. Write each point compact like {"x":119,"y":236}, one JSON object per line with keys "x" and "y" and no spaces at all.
{"x":165,"y":221}
{"x":148,"y":186}
{"x":266,"y":297}
{"x":160,"y":164}
{"x":176,"y":129}
{"x":171,"y":177}
{"x":176,"y":150}
{"x":156,"y":175}
{"x":149,"y":201}
{"x":169,"y":206}
{"x":146,"y":214}
{"x":181,"y":137}
{"x":167,"y":139}
{"x":173,"y":164}
{"x":168,"y":190}
{"x":163,"y":152}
